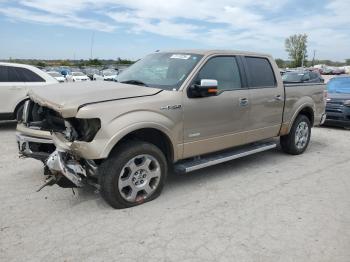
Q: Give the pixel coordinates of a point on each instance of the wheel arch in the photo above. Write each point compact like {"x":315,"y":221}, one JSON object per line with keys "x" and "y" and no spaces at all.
{"x":151,"y":135}
{"x":305,"y":109}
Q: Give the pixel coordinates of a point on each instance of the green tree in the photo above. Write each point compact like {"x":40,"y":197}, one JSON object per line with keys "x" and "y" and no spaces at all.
{"x":296,"y":47}
{"x":280,"y":62}
{"x":94,"y":62}
{"x":41,"y":64}
{"x":65,"y":63}
{"x":347,"y":61}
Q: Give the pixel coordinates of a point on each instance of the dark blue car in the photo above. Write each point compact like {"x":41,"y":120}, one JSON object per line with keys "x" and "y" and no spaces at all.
{"x":338,"y":102}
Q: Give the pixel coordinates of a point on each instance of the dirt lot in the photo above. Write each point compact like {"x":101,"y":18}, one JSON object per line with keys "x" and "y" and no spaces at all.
{"x":267,"y":207}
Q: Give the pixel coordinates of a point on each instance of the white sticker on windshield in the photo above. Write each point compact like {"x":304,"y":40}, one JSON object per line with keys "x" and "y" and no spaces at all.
{"x":178,"y":56}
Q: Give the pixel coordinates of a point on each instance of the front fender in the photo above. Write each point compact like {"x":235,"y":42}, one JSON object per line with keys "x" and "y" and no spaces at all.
{"x":113,"y":131}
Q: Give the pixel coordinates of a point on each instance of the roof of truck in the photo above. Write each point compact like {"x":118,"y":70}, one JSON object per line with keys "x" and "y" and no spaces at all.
{"x":215,"y":51}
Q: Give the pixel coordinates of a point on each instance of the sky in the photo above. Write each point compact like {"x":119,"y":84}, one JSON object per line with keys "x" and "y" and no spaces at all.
{"x":130,"y":29}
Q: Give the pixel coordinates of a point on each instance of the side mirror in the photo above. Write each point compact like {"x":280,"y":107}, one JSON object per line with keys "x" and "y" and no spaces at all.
{"x":207,"y":87}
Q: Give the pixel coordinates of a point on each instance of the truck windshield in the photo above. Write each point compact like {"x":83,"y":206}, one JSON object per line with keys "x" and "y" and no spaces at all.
{"x":339,"y":85}
{"x":161,"y":70}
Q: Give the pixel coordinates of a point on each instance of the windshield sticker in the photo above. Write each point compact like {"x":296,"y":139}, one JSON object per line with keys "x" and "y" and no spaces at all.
{"x":178,"y":56}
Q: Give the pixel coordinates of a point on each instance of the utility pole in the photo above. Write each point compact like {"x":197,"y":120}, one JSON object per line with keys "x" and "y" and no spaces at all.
{"x":92,"y":44}
{"x":313,"y":58}
{"x":302,"y":60}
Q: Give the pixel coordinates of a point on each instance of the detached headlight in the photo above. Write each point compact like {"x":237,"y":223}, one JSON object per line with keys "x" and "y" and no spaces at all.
{"x":83,"y":129}
{"x":347,"y":103}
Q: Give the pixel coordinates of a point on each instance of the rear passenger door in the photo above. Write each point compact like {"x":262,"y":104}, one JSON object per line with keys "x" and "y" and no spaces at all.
{"x":12,"y":88}
{"x":266,"y":99}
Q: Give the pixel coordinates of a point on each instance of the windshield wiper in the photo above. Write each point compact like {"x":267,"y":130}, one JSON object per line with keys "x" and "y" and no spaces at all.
{"x":134,"y":82}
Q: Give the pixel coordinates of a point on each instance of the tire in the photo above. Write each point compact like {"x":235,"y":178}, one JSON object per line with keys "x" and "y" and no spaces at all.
{"x":134,"y":173}
{"x":296,"y":142}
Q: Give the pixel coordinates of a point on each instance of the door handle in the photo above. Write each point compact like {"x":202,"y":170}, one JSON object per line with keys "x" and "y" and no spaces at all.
{"x":243,"y":101}
{"x":278,"y":98}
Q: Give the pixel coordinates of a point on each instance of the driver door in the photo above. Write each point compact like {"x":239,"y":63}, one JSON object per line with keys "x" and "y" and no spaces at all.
{"x":216,"y":122}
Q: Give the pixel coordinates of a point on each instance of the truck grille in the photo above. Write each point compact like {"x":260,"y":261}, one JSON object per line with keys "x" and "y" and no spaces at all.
{"x":38,"y":117}
{"x":334,"y":106}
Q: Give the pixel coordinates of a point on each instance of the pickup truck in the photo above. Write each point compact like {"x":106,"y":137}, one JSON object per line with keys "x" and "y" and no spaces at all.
{"x":171,"y":111}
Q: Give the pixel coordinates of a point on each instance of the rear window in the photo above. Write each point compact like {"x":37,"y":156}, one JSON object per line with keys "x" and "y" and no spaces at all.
{"x":260,"y":73}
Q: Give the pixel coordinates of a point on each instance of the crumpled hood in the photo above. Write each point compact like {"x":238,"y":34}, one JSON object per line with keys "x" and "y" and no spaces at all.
{"x":66,"y":99}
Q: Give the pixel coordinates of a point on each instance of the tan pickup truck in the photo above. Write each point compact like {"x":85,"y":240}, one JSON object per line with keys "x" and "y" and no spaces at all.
{"x":177,"y":110}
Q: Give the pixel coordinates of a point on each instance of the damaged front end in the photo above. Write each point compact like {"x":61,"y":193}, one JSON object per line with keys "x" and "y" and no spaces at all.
{"x":63,"y":166}
{"x":68,"y":171}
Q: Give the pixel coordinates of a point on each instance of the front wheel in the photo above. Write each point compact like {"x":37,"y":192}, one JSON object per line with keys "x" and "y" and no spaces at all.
{"x":296,"y":142}
{"x":133,"y":174}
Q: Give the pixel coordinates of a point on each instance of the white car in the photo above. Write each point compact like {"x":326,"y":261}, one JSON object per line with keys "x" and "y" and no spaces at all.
{"x":15,"y":81}
{"x":77,"y":77}
{"x":106,"y":75}
{"x":109,"y":75}
{"x":60,"y":78}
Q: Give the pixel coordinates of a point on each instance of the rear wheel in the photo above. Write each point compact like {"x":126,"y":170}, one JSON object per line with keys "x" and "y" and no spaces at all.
{"x":298,"y":139}
{"x":133,"y":174}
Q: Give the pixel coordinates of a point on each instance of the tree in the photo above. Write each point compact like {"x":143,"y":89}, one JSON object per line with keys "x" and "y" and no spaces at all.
{"x":41,"y":64}
{"x":94,"y":62}
{"x":347,"y":61}
{"x":296,"y":47}
{"x":280,"y":62}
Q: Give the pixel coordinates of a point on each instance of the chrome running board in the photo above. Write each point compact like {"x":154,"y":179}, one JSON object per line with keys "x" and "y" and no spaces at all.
{"x":190,"y":165}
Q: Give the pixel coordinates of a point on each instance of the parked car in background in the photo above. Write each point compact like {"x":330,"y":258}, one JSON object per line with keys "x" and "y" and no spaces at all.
{"x":303,"y":76}
{"x":65,"y":71}
{"x":15,"y":81}
{"x":59,"y":77}
{"x":106,"y":75}
{"x":171,"y":110}
{"x":77,"y":77}
{"x":109,"y":74}
{"x":338,"y":102}
{"x":337,"y":71}
{"x":326,"y":71}
{"x":91,"y":72}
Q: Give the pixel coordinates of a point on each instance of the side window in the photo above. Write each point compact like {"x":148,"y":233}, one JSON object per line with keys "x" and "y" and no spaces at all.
{"x":13,"y":75}
{"x":260,"y":72}
{"x":3,"y":74}
{"x":223,"y":69}
{"x":28,"y":75}
{"x":306,"y":77}
{"x":313,"y":76}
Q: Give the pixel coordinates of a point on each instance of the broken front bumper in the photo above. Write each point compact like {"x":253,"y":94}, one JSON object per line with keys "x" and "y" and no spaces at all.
{"x":59,"y":163}
{"x":34,"y":147}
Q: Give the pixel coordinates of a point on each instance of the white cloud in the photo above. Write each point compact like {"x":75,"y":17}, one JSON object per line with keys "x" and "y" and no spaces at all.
{"x":243,"y":24}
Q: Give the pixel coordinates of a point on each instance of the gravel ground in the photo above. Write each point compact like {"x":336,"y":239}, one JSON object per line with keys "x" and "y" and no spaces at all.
{"x":266,"y":207}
